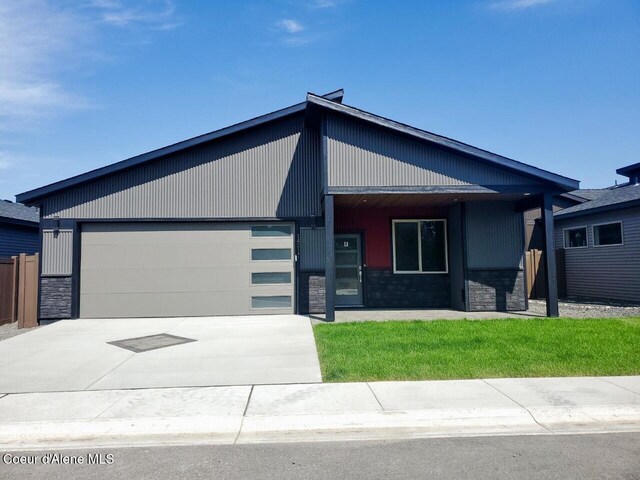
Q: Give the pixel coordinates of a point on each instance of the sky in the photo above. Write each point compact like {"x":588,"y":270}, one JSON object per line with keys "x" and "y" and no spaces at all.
{"x":552,"y":83}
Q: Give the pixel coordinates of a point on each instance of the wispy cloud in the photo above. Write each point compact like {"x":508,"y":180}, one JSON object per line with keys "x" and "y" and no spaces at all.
{"x":41,"y":42}
{"x":156,"y":15}
{"x":290,"y":26}
{"x":519,"y":4}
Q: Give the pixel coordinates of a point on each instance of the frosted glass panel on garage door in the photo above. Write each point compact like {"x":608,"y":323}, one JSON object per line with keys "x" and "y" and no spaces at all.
{"x":179,"y":269}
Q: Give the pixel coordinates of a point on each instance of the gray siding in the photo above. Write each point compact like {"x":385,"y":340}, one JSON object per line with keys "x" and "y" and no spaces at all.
{"x":270,"y":171}
{"x":361,"y":155}
{"x":57,"y":252}
{"x":494,"y":235}
{"x":312,"y":251}
{"x":17,"y":239}
{"x":456,"y":257}
{"x":608,"y":272}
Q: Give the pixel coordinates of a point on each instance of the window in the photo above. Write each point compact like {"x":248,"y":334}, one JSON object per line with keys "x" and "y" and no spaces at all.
{"x":607,"y":234}
{"x":271,"y":254}
{"x":261,"y":278}
{"x":575,"y":237}
{"x":271,"y":231}
{"x":420,"y":246}
{"x":275,"y":301}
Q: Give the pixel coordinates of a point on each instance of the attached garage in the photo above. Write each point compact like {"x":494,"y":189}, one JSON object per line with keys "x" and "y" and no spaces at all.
{"x":148,"y":269}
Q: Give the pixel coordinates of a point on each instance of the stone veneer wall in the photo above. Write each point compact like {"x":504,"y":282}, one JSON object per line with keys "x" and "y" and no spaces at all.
{"x":312,"y":292}
{"x":496,"y":290}
{"x":55,"y":298}
{"x":385,"y":289}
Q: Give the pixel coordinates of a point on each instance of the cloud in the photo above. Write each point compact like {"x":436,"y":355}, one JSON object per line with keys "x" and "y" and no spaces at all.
{"x":519,"y":4}
{"x":155,"y":15}
{"x":290,"y":26}
{"x":42,"y":42}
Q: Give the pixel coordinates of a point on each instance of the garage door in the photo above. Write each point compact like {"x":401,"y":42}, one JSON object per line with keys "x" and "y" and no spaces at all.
{"x":185,"y":269}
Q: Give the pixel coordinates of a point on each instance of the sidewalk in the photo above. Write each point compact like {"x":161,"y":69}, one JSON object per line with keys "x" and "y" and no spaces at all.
{"x":319,"y":412}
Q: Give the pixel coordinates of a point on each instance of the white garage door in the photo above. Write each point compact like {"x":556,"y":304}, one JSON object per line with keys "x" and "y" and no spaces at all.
{"x":186,"y":269}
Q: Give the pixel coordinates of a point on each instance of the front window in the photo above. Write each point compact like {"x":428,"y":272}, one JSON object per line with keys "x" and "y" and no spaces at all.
{"x":607,"y":234}
{"x":420,"y":246}
{"x":575,"y":237}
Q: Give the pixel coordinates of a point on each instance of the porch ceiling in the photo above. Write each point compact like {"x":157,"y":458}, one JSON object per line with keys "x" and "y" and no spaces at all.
{"x":419,"y":199}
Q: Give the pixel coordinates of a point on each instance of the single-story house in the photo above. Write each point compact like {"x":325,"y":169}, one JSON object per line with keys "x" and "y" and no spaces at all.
{"x":310,"y":208}
{"x":601,"y":239}
{"x":18,"y":229}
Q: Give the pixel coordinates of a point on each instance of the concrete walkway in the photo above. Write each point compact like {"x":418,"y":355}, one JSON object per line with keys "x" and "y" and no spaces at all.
{"x":316,"y":412}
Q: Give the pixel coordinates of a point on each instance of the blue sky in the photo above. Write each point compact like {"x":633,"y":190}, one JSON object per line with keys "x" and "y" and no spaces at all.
{"x":554,"y":83}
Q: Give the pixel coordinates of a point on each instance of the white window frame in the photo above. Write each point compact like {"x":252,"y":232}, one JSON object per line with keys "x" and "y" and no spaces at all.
{"x":593,"y":234}
{"x":418,"y":220}
{"x":564,"y":236}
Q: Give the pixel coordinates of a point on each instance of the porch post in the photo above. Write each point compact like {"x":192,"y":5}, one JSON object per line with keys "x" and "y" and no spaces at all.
{"x":330,"y":262}
{"x":551,"y":279}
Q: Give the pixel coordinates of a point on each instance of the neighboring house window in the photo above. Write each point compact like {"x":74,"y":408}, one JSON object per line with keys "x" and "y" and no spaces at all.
{"x":607,"y":234}
{"x":575,"y":237}
{"x":419,"y":246}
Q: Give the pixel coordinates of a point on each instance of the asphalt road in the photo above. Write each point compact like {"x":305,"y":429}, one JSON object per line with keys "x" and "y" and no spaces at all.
{"x":526,"y":457}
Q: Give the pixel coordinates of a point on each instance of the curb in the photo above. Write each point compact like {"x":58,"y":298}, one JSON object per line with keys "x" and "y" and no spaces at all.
{"x":236,"y":429}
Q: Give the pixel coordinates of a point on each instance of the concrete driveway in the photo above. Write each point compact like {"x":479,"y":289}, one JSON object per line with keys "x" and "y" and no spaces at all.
{"x":74,"y":354}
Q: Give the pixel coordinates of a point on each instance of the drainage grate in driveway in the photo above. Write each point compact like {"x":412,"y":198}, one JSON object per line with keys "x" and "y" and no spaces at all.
{"x":150,"y":342}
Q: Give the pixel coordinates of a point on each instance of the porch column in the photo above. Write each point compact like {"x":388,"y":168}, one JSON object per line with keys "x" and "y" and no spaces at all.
{"x":330,"y":262}
{"x":551,"y":279}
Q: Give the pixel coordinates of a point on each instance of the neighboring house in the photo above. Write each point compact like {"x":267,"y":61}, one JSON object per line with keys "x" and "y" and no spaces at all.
{"x":601,"y":239}
{"x":309,"y":208}
{"x":534,"y":230}
{"x":18,"y":229}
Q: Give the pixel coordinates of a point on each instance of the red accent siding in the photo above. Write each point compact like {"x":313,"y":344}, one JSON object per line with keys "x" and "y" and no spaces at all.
{"x":375,"y":225}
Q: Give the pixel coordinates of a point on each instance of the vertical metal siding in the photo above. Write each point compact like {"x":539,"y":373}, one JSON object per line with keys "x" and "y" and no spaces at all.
{"x":456,"y":257}
{"x":312,"y":249}
{"x":57,"y":252}
{"x":270,"y":171}
{"x":494,"y":235}
{"x":607,"y":272}
{"x":17,"y":239}
{"x":361,"y":155}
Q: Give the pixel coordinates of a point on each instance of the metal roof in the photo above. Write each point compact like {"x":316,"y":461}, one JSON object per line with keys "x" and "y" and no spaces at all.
{"x":32,"y":196}
{"x":564,"y":183}
{"x":610,"y":199}
{"x":17,"y":211}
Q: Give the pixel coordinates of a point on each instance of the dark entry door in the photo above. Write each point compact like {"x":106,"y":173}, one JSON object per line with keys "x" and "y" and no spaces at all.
{"x":348,"y":248}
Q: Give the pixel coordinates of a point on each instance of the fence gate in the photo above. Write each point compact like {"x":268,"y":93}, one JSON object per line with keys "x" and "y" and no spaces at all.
{"x":19,"y":290}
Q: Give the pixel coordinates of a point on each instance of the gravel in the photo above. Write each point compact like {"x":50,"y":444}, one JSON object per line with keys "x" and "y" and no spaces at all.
{"x":582,"y":309}
{"x":9,"y":330}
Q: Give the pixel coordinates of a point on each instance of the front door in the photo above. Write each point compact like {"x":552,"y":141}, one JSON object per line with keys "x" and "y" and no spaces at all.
{"x":348,"y":270}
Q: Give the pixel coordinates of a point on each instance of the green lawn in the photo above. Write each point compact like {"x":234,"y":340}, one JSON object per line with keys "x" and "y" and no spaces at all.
{"x":448,"y":349}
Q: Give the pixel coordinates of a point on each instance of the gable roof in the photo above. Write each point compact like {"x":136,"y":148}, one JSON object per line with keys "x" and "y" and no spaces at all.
{"x":611,"y":199}
{"x":331,"y":101}
{"x":564,"y":183}
{"x":629,"y":170}
{"x":17,"y":212}
{"x":588,"y":193}
{"x":33,"y":196}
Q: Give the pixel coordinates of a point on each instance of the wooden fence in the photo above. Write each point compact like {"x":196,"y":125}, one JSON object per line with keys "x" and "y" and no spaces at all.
{"x":19,"y":290}
{"x":535,"y":273}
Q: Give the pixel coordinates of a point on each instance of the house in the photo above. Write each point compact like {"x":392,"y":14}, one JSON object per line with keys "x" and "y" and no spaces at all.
{"x":307,"y":209}
{"x":601,"y":239}
{"x":18,"y":229}
{"x":533,"y":229}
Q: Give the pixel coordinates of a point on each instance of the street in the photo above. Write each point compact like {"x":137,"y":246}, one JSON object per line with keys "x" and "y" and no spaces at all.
{"x":565,"y":457}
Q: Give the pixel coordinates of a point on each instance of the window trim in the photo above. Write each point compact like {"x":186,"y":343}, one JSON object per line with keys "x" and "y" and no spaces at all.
{"x":420,"y":272}
{"x":593,"y":233}
{"x":564,"y":237}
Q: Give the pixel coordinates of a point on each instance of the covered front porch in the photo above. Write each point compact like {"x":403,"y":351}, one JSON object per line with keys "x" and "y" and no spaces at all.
{"x":452,"y":254}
